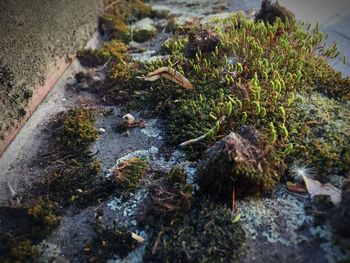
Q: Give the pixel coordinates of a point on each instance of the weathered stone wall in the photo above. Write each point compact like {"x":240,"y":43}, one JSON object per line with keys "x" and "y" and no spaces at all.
{"x":33,"y":35}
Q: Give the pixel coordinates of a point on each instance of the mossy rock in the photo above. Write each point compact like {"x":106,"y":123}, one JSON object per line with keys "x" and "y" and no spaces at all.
{"x":269,"y":12}
{"x":242,"y":163}
{"x":114,"y":27}
{"x":143,"y":30}
{"x":128,"y":173}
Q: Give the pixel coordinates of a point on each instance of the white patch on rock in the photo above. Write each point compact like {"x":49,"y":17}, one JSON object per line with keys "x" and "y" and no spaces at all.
{"x":151,"y":130}
{"x":149,"y":154}
{"x":146,"y":24}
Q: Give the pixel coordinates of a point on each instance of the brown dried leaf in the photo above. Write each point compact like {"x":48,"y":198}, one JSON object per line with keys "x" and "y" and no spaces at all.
{"x":314,"y":188}
{"x":170,"y":74}
{"x":296,"y":188}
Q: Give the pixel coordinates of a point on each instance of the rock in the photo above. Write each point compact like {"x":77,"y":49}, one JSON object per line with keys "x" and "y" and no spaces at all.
{"x":269,"y":12}
{"x":242,"y":161}
{"x":342,"y":219}
{"x":143,"y":30}
{"x":160,"y":11}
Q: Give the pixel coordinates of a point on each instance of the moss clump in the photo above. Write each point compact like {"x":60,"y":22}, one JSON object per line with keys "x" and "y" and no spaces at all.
{"x":91,"y":57}
{"x":121,"y":72}
{"x":269,"y":12}
{"x":76,"y":182}
{"x":143,"y":35}
{"x":78,"y":128}
{"x":129,"y":9}
{"x":108,"y":243}
{"x":113,"y":25}
{"x":242,"y":163}
{"x":24,"y":251}
{"x":171,"y":197}
{"x":323,"y":138}
{"x":176,"y":176}
{"x":45,"y":212}
{"x":72,"y":170}
{"x":115,"y":50}
{"x":128,"y":174}
{"x":205,"y":233}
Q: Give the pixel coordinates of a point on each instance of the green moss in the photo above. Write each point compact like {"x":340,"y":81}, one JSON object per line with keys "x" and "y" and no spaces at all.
{"x":115,"y":50}
{"x":45,"y":213}
{"x":119,"y":14}
{"x":72,"y":170}
{"x":91,"y":57}
{"x":78,"y":128}
{"x":205,"y":233}
{"x":24,"y":251}
{"x":250,"y":77}
{"x":108,"y":243}
{"x":143,"y":35}
{"x":321,"y":128}
{"x":128,"y":174}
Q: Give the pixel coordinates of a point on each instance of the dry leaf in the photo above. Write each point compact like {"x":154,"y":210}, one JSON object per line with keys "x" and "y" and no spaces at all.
{"x":296,"y":188}
{"x":314,"y":188}
{"x":170,"y":74}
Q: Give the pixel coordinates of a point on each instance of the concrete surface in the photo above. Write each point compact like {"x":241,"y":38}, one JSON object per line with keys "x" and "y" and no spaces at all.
{"x":333,"y":18}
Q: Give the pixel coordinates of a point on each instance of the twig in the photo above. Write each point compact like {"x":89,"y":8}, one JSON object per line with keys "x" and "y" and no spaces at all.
{"x":154,"y":248}
{"x":161,"y":109}
{"x":111,"y":4}
{"x":192,"y":141}
{"x":104,"y":65}
{"x":233,"y":198}
{"x":137,"y":237}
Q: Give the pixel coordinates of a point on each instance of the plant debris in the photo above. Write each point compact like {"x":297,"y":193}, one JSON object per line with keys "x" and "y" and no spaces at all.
{"x":315,"y":188}
{"x":170,"y":74}
{"x":128,"y":174}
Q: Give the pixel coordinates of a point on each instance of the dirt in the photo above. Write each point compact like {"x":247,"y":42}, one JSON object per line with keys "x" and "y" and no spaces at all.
{"x":34,"y":35}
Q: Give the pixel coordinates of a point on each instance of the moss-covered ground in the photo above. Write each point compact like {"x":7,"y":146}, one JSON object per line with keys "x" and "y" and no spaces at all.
{"x":264,"y":98}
